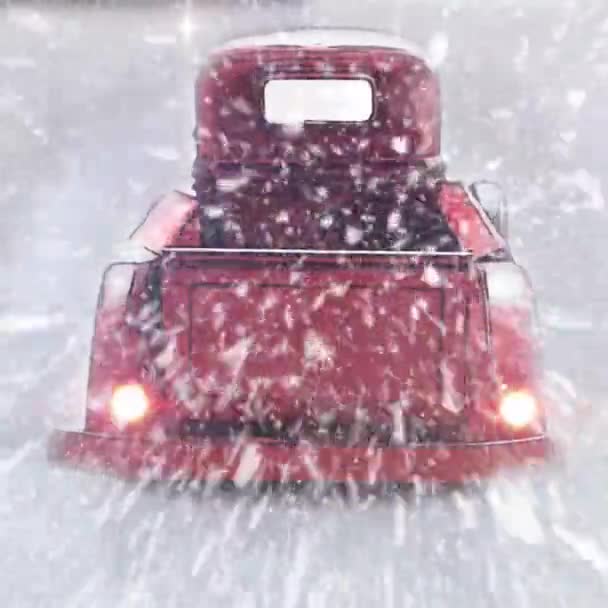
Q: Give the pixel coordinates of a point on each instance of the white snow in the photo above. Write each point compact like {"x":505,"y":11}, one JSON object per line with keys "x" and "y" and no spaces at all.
{"x":589,"y":187}
{"x":117,"y":284}
{"x":437,"y":51}
{"x":326,"y":37}
{"x":248,"y":465}
{"x":502,"y":113}
{"x":132,"y":251}
{"x":242,"y":105}
{"x":507,"y":285}
{"x":566,"y":320}
{"x":494,"y":164}
{"x":451,"y":397}
{"x":317,"y":350}
{"x":401,"y":145}
{"x":30,"y":20}
{"x":431,"y":277}
{"x":516,"y":514}
{"x":576,"y":98}
{"x":24,"y":323}
{"x":166,"y":153}
{"x":568,"y":136}
{"x":17,"y":63}
{"x":187,"y":26}
{"x":232,"y":184}
{"x":160,"y":39}
{"x":353,"y":235}
{"x":234,"y":356}
{"x":588,"y":549}
{"x":213,"y":211}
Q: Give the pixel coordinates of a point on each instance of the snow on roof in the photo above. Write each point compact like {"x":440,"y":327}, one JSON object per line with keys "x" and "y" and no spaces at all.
{"x":327,"y":37}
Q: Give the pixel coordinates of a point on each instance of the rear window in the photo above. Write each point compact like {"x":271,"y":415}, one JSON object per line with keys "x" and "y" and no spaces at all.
{"x":298,"y":101}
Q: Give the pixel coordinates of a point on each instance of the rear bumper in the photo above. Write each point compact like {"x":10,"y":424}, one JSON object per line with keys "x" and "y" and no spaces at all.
{"x":255,"y":460}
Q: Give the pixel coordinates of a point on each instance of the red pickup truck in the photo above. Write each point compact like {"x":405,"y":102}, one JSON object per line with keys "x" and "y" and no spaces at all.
{"x":326,"y":305}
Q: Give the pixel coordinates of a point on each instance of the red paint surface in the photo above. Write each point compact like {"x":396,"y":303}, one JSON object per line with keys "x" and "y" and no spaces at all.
{"x":474,"y":231}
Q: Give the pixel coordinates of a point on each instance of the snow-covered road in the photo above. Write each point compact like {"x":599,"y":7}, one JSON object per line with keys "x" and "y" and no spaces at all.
{"x":95,"y":122}
{"x":71,"y":540}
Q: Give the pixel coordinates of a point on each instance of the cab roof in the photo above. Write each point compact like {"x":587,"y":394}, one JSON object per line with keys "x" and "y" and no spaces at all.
{"x":327,"y":37}
{"x":232,"y":125}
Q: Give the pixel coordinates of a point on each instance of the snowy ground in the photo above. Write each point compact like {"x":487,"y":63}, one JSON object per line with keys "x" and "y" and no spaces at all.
{"x":95,"y":121}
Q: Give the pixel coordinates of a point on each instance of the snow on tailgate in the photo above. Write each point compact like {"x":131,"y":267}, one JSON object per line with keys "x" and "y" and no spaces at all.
{"x":327,"y":339}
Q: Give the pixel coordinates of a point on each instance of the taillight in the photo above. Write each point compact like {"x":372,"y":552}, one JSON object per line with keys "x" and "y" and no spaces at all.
{"x":129,"y":404}
{"x":518,"y":409}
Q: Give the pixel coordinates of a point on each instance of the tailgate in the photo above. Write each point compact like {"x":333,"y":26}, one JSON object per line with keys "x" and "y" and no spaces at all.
{"x":324,"y":337}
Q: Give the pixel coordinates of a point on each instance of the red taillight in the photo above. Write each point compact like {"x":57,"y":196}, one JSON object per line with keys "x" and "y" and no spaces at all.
{"x":129,"y":404}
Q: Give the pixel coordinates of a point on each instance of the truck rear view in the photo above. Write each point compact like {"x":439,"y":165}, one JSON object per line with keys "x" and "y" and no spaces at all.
{"x":313,"y":313}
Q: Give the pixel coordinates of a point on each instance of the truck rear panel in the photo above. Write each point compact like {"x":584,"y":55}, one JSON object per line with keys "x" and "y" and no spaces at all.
{"x":323,"y":339}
